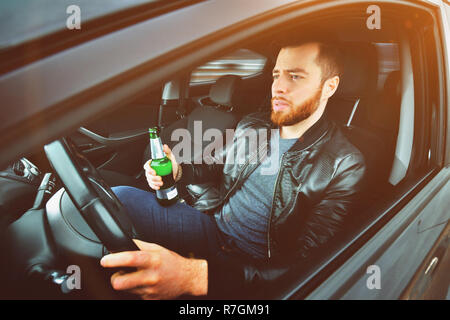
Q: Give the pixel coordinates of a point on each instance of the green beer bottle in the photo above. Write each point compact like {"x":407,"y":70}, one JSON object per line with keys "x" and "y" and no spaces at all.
{"x":168,"y":193}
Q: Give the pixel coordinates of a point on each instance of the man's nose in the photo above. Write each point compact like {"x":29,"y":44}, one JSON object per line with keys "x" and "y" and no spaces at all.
{"x":279,"y":86}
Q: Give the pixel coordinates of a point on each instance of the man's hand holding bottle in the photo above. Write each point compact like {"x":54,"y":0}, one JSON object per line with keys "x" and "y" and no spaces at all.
{"x":154,"y":181}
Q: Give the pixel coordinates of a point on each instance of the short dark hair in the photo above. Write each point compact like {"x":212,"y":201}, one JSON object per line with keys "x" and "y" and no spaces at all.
{"x":329,"y":58}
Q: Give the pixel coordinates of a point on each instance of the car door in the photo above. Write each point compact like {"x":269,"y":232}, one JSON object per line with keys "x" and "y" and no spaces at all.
{"x":116,"y":141}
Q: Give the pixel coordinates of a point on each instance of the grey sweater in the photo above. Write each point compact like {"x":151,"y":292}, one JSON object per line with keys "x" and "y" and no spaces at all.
{"x":244,"y":217}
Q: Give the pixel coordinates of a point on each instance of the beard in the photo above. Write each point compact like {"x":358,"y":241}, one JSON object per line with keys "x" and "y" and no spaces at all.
{"x":295,"y":114}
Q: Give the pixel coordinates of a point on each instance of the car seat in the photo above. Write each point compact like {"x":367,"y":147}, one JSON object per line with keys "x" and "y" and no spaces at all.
{"x":220,"y":110}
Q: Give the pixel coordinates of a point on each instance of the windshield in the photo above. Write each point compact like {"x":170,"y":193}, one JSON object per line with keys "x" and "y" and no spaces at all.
{"x":24,"y":20}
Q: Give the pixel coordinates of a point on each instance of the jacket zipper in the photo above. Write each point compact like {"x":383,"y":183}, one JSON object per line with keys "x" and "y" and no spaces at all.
{"x":245,"y":166}
{"x":271,"y":209}
{"x":240,"y":173}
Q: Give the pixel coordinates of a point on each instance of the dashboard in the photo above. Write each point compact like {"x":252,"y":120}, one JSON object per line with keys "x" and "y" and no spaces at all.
{"x":22,"y":187}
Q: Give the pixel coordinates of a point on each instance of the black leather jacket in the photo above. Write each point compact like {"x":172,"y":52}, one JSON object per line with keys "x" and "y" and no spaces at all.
{"x":318,"y":182}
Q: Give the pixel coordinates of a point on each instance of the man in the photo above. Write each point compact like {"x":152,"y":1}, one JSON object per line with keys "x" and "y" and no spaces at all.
{"x":262,"y":223}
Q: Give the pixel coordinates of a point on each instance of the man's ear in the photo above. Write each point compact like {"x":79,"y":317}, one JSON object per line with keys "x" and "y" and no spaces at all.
{"x":330,"y":86}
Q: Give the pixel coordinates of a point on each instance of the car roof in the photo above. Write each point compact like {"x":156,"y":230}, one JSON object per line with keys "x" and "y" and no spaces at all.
{"x":23,"y":20}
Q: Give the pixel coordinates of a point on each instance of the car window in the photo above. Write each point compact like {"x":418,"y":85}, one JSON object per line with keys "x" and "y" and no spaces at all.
{"x":382,"y":109}
{"x":241,"y":62}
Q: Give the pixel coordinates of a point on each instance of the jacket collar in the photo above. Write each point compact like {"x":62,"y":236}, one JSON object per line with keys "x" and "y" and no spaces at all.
{"x":314,"y":133}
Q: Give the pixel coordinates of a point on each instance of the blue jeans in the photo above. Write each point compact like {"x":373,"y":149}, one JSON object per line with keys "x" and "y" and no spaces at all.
{"x":180,"y":227}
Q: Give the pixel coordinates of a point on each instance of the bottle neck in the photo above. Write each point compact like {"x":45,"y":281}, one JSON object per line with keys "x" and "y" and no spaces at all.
{"x":156,"y":149}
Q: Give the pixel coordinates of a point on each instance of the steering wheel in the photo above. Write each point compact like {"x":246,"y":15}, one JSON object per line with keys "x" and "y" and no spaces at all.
{"x":94,"y":199}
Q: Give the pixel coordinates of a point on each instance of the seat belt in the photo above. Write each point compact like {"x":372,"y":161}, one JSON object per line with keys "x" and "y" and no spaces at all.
{"x":183,"y":96}
{"x":175,"y":94}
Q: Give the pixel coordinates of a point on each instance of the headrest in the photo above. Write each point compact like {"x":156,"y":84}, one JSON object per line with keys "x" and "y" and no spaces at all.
{"x":360,"y":70}
{"x":223,"y":92}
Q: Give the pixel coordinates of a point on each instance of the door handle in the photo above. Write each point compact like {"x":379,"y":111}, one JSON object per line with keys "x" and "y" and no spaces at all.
{"x":432,"y":265}
{"x":113,"y":142}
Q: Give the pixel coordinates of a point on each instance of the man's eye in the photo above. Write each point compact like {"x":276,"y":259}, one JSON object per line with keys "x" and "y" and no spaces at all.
{"x":295,"y":77}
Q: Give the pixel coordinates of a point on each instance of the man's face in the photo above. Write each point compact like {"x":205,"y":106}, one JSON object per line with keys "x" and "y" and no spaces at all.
{"x":297,"y":86}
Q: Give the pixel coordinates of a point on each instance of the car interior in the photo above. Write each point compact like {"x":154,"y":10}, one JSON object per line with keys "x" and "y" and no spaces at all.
{"x":369,"y":107}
